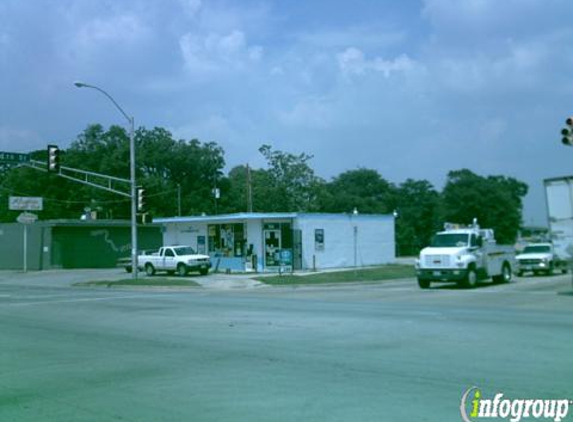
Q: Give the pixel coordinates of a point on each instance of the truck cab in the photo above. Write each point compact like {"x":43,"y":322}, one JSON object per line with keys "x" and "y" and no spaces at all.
{"x":464,"y":255}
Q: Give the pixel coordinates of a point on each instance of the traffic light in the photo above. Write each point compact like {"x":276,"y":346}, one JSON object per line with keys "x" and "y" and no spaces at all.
{"x":568,"y":132}
{"x":53,"y":158}
{"x":141,"y":199}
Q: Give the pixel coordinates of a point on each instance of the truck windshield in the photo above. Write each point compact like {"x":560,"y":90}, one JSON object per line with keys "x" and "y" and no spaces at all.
{"x":450,"y":240}
{"x":184,"y":250}
{"x":537,"y":249}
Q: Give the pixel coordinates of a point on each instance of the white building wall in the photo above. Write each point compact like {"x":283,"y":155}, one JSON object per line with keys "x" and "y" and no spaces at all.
{"x":373,"y":240}
{"x":184,"y":234}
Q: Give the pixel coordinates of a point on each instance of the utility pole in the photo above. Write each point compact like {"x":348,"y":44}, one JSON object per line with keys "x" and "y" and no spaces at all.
{"x":249,"y":191}
{"x":178,"y":200}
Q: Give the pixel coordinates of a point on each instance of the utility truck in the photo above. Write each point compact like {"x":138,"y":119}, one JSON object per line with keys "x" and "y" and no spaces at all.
{"x":180,"y":259}
{"x":464,"y":255}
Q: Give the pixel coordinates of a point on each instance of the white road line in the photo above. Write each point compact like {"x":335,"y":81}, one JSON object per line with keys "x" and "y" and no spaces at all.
{"x":90,"y":299}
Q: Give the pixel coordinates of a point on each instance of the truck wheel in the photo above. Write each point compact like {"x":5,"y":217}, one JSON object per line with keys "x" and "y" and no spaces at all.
{"x":471,"y":278}
{"x":505,"y":276}
{"x":424,"y":284}
{"x":149,"y":269}
{"x":204,"y":271}
{"x":128,"y":268}
{"x":550,"y":270}
{"x":182,"y":270}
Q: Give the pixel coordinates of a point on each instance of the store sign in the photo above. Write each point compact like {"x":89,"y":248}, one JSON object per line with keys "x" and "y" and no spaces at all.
{"x":26,"y":203}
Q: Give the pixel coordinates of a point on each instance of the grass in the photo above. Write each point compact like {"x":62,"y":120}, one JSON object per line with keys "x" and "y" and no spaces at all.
{"x":386,"y":272}
{"x":147,"y":281}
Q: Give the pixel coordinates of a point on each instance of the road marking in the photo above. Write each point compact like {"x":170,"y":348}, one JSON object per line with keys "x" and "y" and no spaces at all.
{"x":91,"y":299}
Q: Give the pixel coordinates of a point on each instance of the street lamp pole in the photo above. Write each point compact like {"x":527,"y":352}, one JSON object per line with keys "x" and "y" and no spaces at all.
{"x":130,"y":119}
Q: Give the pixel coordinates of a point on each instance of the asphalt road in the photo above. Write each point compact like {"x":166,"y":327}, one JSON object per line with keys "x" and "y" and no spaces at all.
{"x":361,"y":352}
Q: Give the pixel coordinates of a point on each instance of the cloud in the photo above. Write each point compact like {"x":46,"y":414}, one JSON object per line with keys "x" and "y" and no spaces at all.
{"x":353,"y":61}
{"x":191,"y":7}
{"x":214,"y":51}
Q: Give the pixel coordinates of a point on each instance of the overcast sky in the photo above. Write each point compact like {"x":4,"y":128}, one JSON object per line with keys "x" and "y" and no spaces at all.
{"x":410,"y":88}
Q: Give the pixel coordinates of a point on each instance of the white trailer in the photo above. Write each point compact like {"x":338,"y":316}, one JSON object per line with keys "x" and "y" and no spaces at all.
{"x":559,"y":200}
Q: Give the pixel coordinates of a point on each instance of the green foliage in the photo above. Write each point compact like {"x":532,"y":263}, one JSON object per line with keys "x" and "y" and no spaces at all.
{"x":496,"y":201}
{"x":418,"y":206}
{"x":290,"y":180}
{"x":363,"y":189}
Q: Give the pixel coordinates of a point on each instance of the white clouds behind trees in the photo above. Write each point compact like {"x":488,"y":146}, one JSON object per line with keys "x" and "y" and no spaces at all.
{"x":409,"y":92}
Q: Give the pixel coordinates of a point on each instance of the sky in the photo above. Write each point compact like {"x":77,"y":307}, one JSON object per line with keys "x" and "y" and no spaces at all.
{"x":410,"y":88}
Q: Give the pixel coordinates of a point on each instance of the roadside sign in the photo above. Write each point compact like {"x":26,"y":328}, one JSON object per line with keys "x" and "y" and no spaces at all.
{"x":27,"y":218}
{"x":26,"y":203}
{"x":14,"y":157}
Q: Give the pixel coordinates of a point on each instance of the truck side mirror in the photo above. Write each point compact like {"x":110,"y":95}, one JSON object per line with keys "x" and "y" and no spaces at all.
{"x":480,"y":241}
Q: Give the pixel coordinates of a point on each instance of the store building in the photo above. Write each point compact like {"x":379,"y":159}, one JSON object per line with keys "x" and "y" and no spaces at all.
{"x":55,"y":244}
{"x":285,"y":241}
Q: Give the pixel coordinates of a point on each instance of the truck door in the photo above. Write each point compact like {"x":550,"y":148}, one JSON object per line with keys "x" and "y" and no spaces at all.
{"x":169,"y":259}
{"x":476,"y":245}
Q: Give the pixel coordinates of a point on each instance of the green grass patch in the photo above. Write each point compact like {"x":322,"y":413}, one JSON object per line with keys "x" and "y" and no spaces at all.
{"x":385,"y":272}
{"x":147,"y":281}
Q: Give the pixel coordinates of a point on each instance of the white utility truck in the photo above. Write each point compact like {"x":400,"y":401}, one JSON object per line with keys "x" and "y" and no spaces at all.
{"x":464,"y":255}
{"x":541,"y":258}
{"x":180,"y":259}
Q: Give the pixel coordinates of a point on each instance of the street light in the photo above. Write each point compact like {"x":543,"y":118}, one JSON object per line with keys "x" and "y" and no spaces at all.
{"x":134,"y":267}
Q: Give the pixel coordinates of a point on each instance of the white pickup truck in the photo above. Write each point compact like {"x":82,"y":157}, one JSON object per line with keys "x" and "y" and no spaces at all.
{"x":180,"y":259}
{"x":464,"y":255}
{"x":540,"y":258}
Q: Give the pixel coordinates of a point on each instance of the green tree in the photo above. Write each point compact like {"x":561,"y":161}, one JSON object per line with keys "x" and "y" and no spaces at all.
{"x":290,"y":180}
{"x":418,"y":206}
{"x":363,"y":189}
{"x":496,"y":201}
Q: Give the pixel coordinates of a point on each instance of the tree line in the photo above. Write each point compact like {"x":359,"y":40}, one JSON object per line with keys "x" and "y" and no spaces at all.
{"x":180,"y":175}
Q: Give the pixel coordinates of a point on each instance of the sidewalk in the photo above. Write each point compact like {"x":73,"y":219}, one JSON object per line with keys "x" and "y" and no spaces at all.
{"x":66,"y":278}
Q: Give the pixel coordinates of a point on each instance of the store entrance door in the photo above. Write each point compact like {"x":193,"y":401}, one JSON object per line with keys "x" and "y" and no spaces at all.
{"x":272,"y":248}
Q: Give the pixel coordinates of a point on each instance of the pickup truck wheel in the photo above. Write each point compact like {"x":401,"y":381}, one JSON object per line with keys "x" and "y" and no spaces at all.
{"x":204,"y":271}
{"x":505,"y":276}
{"x":182,"y":270}
{"x":471,"y":278}
{"x":424,"y":284}
{"x":149,"y":269}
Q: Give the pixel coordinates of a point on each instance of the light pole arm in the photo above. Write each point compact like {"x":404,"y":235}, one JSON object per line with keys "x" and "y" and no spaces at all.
{"x":83,"y":85}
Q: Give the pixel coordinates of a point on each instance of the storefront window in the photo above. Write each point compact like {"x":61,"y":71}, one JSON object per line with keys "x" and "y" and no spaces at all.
{"x":227,"y":239}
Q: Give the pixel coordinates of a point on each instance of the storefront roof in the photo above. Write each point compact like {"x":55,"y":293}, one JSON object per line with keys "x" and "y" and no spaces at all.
{"x":261,"y":216}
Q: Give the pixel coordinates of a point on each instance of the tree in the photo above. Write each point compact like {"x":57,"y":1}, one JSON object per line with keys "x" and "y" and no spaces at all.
{"x":163,"y":165}
{"x":496,"y":201}
{"x":363,"y":189}
{"x":417,"y":205}
{"x":293,"y":182}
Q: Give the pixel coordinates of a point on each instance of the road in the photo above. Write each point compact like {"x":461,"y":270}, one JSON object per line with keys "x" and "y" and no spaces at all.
{"x":355,"y":352}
